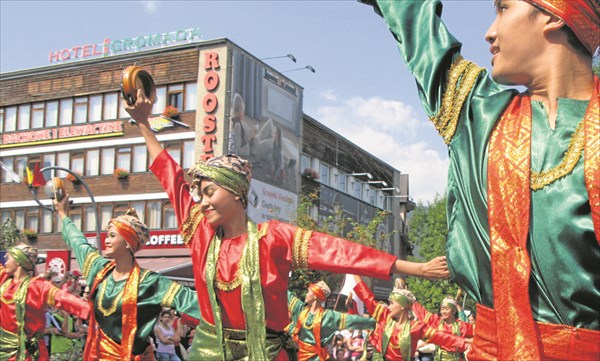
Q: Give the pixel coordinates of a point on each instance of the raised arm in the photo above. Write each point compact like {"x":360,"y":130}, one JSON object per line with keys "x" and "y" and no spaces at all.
{"x":377,"y":310}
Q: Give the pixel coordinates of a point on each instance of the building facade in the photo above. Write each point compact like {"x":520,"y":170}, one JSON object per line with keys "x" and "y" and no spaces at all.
{"x":69,"y":115}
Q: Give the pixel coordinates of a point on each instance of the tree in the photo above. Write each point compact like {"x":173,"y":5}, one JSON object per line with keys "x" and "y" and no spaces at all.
{"x":10,"y":235}
{"x":333,"y":225}
{"x":428,"y":231}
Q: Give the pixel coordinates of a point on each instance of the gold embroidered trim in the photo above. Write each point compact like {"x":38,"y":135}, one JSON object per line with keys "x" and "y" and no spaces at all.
{"x":167,"y":300}
{"x":300,"y":248}
{"x":51,"y":301}
{"x":461,"y":79}
{"x":89,"y":261}
{"x":191,"y":224}
{"x":541,"y":179}
{"x":263,"y":230}
{"x":113,"y":307}
{"x":378,"y":311}
{"x":428,"y":334}
{"x":343,"y":321}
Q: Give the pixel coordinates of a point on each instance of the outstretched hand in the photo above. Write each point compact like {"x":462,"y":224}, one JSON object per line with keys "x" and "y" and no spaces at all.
{"x":436,"y":269}
{"x":141,"y":110}
{"x":62,"y":207}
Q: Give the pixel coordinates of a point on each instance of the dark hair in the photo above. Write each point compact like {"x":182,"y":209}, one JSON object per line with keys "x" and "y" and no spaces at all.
{"x":165,"y":312}
{"x":572,"y":39}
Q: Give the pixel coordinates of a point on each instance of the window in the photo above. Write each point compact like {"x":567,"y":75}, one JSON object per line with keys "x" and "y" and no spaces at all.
{"x":23,"y":117}
{"x":372,"y":195}
{"x":106,"y":214}
{"x":20,"y":219}
{"x":176,"y":96}
{"x":154,"y":214}
{"x":108,"y":160}
{"x":51,"y":114}
{"x":357,"y":190}
{"x":76,"y":218}
{"x":342,"y":182}
{"x":63,"y":162}
{"x":191,"y":90}
{"x":20,"y":165}
{"x":11,"y":119}
{"x":66,"y":112}
{"x":90,"y":218}
{"x":111,"y":104}
{"x":174,"y":149}
{"x":140,"y":156}
{"x":304,"y":162}
{"x":47,"y":161}
{"x":95,"y":108}
{"x":124,"y":158}
{"x":6,"y":215}
{"x":47,"y":220}
{"x":188,"y":154}
{"x":37,"y":115}
{"x":9,"y":163}
{"x":161,"y":100}
{"x":140,"y":208}
{"x":325,"y":174}
{"x":170,"y":219}
{"x":33,"y":220}
{"x":77,"y":162}
{"x":92,"y":162}
{"x":81,"y":109}
{"x":1,"y":119}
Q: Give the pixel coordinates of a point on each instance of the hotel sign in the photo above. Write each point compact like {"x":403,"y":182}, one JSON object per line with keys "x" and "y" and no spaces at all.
{"x":111,"y":47}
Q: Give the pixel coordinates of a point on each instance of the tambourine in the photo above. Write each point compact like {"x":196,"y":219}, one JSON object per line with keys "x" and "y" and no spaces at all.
{"x":55,"y":189}
{"x":134,"y":78}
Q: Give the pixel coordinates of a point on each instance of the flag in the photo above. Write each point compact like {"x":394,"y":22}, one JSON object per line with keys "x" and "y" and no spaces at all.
{"x":347,"y":289}
{"x":38,"y":177}
{"x":29,"y":177}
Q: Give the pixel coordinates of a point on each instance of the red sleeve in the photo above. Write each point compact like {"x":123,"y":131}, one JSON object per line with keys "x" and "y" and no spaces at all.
{"x":441,"y":338}
{"x":425,"y":316}
{"x":377,"y":310}
{"x":171,"y":176}
{"x":65,"y":301}
{"x":466,"y":329}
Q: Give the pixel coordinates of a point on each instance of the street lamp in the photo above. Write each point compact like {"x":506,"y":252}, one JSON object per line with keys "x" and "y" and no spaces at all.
{"x":368,"y":175}
{"x":304,"y":67}
{"x":290,"y":56}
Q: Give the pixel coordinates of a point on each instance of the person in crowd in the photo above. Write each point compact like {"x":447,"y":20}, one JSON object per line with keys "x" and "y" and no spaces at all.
{"x":524,"y":168}
{"x":447,"y":322}
{"x":241,"y":269}
{"x":314,"y":326}
{"x":166,"y":338}
{"x":64,"y":340}
{"x":240,"y":135}
{"x":356,"y":345}
{"x":396,"y":336}
{"x":24,"y":300}
{"x":125,"y":298}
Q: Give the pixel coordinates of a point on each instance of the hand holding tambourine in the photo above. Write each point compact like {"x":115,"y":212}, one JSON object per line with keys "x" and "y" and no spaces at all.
{"x":139,"y":93}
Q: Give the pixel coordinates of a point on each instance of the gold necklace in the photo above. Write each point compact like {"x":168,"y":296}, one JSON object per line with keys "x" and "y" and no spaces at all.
{"x":541,"y":179}
{"x":235,"y":283}
{"x":115,"y":303}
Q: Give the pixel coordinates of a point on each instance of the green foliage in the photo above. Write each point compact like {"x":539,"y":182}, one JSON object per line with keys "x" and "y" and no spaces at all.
{"x":10,"y":235}
{"x":333,"y":225}
{"x":428,"y":231}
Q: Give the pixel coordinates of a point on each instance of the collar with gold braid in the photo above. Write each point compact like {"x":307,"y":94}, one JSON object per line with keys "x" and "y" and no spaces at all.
{"x":128,"y":311}
{"x":509,"y":210}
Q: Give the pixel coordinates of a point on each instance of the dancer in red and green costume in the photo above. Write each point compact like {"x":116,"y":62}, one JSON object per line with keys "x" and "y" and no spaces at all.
{"x":241,"y":269}
{"x":125,"y":298}
{"x":23,"y":303}
{"x":448,"y":323}
{"x":524,"y":178}
{"x":396,"y":335}
{"x":313,"y":326}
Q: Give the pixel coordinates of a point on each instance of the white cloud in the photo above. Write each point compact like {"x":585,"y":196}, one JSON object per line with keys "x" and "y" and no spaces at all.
{"x":150,"y":6}
{"x":391,"y":131}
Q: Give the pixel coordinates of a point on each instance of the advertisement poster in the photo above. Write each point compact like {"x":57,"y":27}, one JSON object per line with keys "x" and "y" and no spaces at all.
{"x":264,"y":127}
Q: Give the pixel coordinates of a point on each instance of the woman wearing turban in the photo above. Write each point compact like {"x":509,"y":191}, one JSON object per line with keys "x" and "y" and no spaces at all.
{"x":240,"y":268}
{"x":23,"y":302}
{"x":396,"y":334}
{"x":125,"y":298}
{"x":447,"y":322}
{"x":524,"y":177}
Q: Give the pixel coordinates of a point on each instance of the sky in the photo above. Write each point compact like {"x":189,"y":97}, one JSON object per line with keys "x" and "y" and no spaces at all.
{"x":360,"y":89}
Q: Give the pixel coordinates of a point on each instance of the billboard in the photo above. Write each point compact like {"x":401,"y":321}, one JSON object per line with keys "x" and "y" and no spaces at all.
{"x":265,"y":113}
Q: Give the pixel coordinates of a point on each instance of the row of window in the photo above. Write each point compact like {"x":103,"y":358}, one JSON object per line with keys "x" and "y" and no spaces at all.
{"x":98,"y":161}
{"x":157,"y":214}
{"x":92,"y":108}
{"x":346,"y":183}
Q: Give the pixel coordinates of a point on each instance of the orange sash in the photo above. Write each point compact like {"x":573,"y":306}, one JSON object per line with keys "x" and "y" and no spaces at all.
{"x":508,"y":213}
{"x":97,"y":342}
{"x":556,"y":342}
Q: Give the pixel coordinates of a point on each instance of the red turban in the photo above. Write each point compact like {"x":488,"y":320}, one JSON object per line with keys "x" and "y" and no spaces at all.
{"x":582,"y":16}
